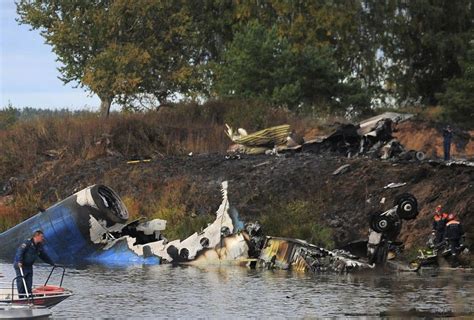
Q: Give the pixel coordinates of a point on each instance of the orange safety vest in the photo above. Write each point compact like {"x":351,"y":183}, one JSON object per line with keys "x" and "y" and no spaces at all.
{"x":438,"y":217}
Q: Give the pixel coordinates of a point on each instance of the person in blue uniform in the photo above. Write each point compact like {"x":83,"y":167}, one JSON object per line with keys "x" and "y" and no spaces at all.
{"x":447,"y":137}
{"x":25,"y":257}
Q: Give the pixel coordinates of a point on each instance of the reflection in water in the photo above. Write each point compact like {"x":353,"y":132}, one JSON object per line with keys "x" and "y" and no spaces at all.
{"x":235,"y":292}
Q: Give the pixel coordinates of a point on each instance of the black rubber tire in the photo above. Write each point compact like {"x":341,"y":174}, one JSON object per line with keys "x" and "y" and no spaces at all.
{"x":407,"y":206}
{"x":381,"y":223}
{"x":389,"y":225}
{"x":420,"y":156}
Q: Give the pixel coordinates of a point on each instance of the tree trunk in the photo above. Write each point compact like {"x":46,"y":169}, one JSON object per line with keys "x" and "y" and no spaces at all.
{"x":105,"y":103}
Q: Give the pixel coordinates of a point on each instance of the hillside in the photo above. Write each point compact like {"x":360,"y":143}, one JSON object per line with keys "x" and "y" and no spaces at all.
{"x":294,"y":195}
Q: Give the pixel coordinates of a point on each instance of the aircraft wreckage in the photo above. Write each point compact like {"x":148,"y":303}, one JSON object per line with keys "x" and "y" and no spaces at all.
{"x":91,"y":226}
{"x":372,"y":137}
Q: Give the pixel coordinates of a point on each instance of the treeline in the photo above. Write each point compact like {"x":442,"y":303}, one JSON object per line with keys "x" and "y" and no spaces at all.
{"x":9,"y":115}
{"x":338,"y":56}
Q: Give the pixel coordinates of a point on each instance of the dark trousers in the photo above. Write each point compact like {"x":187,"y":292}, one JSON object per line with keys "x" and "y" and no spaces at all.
{"x":439,"y":237}
{"x":28,"y":275}
{"x":454,"y":245}
{"x":447,"y":150}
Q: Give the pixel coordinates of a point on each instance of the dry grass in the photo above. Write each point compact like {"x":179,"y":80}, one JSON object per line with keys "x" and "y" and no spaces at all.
{"x":38,"y":147}
{"x":172,"y":206}
{"x":173,"y":130}
{"x":23,"y":204}
{"x":8,"y":217}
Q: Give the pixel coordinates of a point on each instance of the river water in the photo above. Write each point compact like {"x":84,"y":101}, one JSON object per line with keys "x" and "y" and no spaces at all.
{"x":150,"y":292}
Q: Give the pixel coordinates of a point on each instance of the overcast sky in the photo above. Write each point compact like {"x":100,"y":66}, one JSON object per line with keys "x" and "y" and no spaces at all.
{"x":28,"y":70}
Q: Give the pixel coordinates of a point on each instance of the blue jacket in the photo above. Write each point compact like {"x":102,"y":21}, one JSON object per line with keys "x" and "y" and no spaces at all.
{"x":447,"y":135}
{"x":27,"y":253}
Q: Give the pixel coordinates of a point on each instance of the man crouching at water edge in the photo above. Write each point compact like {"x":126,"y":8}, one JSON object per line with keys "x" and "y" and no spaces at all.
{"x":25,"y":257}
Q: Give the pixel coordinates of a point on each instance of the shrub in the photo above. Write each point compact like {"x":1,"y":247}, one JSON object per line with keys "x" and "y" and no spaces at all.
{"x":172,"y":207}
{"x":298,"y":219}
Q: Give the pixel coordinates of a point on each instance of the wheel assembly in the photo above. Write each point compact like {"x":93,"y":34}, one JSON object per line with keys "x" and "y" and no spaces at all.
{"x":407,"y":206}
{"x":386,"y":223}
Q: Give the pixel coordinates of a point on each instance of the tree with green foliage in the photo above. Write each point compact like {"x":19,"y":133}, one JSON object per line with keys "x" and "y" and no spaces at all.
{"x":8,"y":116}
{"x":117,"y":49}
{"x":343,"y":25}
{"x":302,"y":53}
{"x":458,"y":100}
{"x":260,"y":64}
{"x":422,"y":42}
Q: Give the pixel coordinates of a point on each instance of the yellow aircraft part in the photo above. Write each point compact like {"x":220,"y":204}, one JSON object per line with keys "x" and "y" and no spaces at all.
{"x":280,"y":251}
{"x":274,"y":135}
{"x":300,"y":265}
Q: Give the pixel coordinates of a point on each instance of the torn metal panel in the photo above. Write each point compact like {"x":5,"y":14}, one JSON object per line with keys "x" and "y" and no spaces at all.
{"x":240,"y":148}
{"x":391,"y":149}
{"x":280,"y":252}
{"x":213,"y":237}
{"x":85,"y":227}
{"x":233,"y":250}
{"x":267,"y":137}
{"x":344,"y":139}
{"x":341,"y":169}
{"x":298,"y":255}
{"x":368,"y":125}
{"x":393,"y":185}
{"x":460,"y":163}
{"x":270,"y":140}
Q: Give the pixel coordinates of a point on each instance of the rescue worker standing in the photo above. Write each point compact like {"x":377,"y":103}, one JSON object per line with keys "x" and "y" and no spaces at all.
{"x":439,"y":225}
{"x":447,"y":136}
{"x":453,"y":235}
{"x":25,"y":257}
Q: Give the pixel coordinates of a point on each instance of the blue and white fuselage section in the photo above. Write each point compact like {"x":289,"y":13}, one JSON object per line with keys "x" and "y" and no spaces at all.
{"x":90,"y":226}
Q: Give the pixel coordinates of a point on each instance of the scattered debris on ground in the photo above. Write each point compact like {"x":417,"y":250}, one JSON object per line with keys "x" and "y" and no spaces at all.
{"x":260,"y":142}
{"x":393,"y":185}
{"x":94,"y":224}
{"x":372,"y":137}
{"x":342,"y":169}
{"x":342,"y":201}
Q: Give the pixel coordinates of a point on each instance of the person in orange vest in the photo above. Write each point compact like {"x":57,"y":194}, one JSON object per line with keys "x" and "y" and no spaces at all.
{"x":439,"y":225}
{"x":453,"y":234}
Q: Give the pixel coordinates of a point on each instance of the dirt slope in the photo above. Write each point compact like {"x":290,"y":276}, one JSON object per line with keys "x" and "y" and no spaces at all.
{"x":256,"y":183}
{"x":427,"y":137}
{"x":260,"y":186}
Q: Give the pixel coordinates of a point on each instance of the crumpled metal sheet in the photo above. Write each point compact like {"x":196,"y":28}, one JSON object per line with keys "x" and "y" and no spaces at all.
{"x":368,"y":125}
{"x":211,"y":237}
{"x":299,"y":255}
{"x":273,"y":136}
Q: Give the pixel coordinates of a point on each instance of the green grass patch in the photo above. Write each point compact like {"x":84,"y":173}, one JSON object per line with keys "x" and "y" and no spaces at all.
{"x":298,"y":219}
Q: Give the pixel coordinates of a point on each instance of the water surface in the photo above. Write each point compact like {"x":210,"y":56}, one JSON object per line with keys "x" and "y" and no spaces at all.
{"x":150,"y":292}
